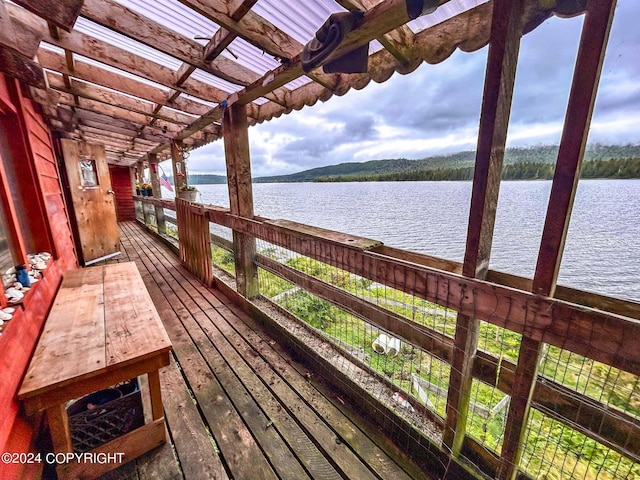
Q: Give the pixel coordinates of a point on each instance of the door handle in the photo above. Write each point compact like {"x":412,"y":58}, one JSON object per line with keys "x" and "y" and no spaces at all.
{"x":111,"y":192}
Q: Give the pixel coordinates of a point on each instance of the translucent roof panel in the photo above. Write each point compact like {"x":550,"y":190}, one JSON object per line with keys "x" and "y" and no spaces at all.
{"x":199,"y":100}
{"x":444,"y":12}
{"x":89,"y":61}
{"x":174,"y":16}
{"x":215,"y":81}
{"x":248,"y":56}
{"x":299,"y":19}
{"x":298,"y":82}
{"x":109,"y":36}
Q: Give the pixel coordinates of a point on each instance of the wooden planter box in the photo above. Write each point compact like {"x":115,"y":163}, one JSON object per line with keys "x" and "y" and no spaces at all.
{"x":188,"y":195}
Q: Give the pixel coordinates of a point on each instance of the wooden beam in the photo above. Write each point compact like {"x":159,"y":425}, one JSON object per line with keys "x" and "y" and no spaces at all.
{"x":108,"y":97}
{"x":18,"y":66}
{"x":18,"y":36}
{"x":99,"y":76}
{"x":591,"y":52}
{"x":506,"y":32}
{"x":238,"y":162}
{"x":104,"y":52}
{"x":95,"y":122}
{"x":133,"y":25}
{"x":157,"y":193}
{"x":62,"y":14}
{"x":126,"y":124}
{"x":177,"y":164}
{"x":253,"y":28}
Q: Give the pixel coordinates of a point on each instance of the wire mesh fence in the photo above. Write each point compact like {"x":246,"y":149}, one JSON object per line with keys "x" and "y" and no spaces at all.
{"x":555,"y":450}
{"x":334,"y":303}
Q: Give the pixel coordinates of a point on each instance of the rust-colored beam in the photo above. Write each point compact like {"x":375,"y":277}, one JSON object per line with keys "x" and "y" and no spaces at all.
{"x":593,"y":42}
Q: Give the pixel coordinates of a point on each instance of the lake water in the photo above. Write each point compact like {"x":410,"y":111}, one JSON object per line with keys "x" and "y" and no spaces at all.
{"x":602,"y":251}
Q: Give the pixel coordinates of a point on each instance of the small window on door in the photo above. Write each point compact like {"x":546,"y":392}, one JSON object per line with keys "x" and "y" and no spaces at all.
{"x":88,"y":173}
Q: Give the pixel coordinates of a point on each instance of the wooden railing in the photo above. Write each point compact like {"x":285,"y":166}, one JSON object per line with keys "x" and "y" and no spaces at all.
{"x":598,"y":328}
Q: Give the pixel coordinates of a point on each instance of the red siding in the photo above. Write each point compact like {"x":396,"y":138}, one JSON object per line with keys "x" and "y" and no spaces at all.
{"x":21,"y":334}
{"x":121,"y":184}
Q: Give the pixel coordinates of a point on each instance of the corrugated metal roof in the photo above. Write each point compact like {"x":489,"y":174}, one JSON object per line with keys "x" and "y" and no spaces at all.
{"x":175,"y":16}
{"x":297,"y":19}
{"x":300,"y":20}
{"x":116,"y":39}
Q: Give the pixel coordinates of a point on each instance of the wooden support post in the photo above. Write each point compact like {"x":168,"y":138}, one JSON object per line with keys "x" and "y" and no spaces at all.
{"x":593,"y":42}
{"x":504,"y":45}
{"x":236,"y":147}
{"x":177,"y":164}
{"x":145,"y":211}
{"x":157,"y":193}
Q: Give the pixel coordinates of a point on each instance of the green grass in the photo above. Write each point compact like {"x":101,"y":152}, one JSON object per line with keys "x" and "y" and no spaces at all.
{"x":553,"y":450}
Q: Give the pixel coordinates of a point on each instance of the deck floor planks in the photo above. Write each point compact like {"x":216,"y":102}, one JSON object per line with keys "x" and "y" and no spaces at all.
{"x":281,"y":457}
{"x":240,"y":450}
{"x":214,"y":342}
{"x":296,"y":381}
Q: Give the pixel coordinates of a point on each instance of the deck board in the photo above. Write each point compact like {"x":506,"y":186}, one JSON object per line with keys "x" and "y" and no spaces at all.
{"x":236,"y":404}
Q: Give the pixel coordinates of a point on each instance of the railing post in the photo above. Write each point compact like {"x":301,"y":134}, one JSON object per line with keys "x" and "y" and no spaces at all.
{"x":238,"y":161}
{"x":177,"y":164}
{"x":157,"y":193}
{"x":593,"y":43}
{"x":145,"y":213}
{"x":504,"y":46}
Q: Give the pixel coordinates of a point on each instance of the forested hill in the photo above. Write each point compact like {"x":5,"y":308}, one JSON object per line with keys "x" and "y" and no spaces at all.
{"x":458,"y":166}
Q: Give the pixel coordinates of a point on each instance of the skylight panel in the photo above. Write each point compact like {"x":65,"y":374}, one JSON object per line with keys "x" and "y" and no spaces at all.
{"x":174,"y":16}
{"x":215,"y":81}
{"x":248,"y":56}
{"x":300,"y":20}
{"x":109,"y":36}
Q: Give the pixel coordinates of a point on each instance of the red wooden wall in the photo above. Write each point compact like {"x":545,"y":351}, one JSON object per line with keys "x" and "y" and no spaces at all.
{"x":121,"y":185}
{"x":31,"y":145}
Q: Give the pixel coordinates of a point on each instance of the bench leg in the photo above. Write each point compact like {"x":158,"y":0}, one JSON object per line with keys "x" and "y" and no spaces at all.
{"x":156,"y":396}
{"x":59,"y":428}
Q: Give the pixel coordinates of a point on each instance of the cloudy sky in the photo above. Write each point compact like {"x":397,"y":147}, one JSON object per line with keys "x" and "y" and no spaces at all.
{"x":436,"y":108}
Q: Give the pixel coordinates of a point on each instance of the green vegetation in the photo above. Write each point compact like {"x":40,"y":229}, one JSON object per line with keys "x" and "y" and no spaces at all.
{"x":536,"y":162}
{"x":618,"y":168}
{"x":553,"y":450}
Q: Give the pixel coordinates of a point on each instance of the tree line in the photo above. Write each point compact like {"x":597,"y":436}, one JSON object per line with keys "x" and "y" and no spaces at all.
{"x":612,"y":168}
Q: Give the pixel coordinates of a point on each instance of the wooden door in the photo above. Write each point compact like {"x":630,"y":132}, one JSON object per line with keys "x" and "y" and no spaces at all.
{"x":93,"y":199}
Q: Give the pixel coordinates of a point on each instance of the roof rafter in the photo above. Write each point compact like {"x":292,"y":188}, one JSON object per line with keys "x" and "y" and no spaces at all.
{"x":116,"y":57}
{"x":113,"y":81}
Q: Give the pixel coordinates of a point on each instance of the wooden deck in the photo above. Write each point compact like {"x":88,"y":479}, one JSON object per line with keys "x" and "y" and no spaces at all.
{"x":236,"y":404}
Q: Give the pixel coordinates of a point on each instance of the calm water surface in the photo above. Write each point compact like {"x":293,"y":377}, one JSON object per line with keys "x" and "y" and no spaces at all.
{"x":602,"y":253}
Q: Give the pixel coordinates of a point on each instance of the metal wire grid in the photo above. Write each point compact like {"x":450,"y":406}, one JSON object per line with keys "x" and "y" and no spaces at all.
{"x":608,"y":385}
{"x":221,"y":253}
{"x":489,"y":405}
{"x":417,"y":377}
{"x":171,"y":223}
{"x":413,"y":378}
{"x":555,"y":450}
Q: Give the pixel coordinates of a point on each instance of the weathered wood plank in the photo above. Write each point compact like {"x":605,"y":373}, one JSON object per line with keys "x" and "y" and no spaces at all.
{"x":238,"y":162}
{"x":242,"y":348}
{"x":600,"y":335}
{"x":20,"y":67}
{"x":100,"y":76}
{"x":591,"y":51}
{"x":74,"y":334}
{"x":506,"y":32}
{"x":62,"y":14}
{"x":18,"y":36}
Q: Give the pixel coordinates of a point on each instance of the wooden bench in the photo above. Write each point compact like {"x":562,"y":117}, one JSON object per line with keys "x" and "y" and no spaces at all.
{"x":102,"y":329}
